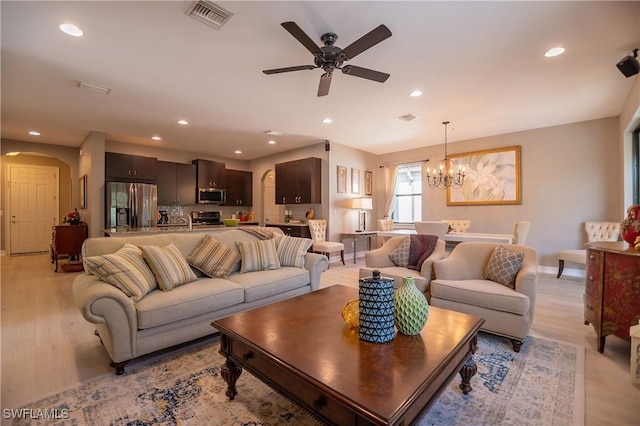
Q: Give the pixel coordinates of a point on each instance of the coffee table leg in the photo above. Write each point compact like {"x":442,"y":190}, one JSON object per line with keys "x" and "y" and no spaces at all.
{"x":230,"y":372}
{"x":468,"y":370}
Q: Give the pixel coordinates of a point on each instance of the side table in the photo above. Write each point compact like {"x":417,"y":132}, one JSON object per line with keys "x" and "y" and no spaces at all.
{"x":67,"y":239}
{"x":354,"y":237}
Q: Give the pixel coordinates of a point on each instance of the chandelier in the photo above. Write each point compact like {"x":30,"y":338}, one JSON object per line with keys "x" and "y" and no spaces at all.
{"x":444,"y":177}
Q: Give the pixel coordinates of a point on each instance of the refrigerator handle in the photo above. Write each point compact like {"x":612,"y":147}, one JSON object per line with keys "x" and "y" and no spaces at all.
{"x":133,"y":205}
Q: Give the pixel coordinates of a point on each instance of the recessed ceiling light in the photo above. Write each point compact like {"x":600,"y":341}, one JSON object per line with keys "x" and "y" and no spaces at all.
{"x":71,"y":29}
{"x":237,"y":151}
{"x":554,"y":52}
{"x":183,"y":122}
{"x":273,"y":133}
{"x":34,"y":133}
{"x":271,"y":142}
{"x":156,"y":138}
{"x":327,"y":120}
{"x":13,"y":153}
{"x":415,"y":93}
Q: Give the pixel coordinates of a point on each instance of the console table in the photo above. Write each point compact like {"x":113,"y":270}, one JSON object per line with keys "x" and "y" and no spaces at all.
{"x":67,"y":239}
{"x":354,"y":236}
{"x":612,"y":289}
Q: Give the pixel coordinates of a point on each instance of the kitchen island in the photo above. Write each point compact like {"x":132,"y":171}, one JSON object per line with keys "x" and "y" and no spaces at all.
{"x":131,"y":232}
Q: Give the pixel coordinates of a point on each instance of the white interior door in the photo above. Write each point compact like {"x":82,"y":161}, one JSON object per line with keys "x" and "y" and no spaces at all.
{"x":269,"y":207}
{"x":33,"y":207}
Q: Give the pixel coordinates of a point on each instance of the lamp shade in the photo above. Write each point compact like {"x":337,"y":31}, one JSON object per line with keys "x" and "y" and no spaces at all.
{"x":362,"y":203}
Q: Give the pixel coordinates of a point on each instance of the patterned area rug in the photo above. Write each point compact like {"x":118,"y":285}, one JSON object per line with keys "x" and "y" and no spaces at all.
{"x":543,"y":384}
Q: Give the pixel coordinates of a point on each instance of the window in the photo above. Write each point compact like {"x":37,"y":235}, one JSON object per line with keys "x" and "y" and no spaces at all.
{"x":407,"y":205}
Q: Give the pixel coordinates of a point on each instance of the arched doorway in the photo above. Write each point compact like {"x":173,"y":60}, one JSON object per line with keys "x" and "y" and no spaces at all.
{"x":270,"y":211}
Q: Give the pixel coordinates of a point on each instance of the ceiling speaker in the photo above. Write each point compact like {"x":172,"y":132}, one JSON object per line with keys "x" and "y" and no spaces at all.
{"x":629,"y":65}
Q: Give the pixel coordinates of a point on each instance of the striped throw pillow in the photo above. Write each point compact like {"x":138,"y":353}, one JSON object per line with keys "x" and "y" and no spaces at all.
{"x":213,"y":258}
{"x":168,"y":265}
{"x":125,"y":269}
{"x":291,"y":250}
{"x":259,"y":255}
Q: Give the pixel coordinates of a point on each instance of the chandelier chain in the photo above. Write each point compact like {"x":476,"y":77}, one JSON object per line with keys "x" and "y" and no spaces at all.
{"x":445,"y":178}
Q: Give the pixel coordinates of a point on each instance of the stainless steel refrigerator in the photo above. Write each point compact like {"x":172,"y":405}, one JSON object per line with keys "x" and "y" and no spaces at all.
{"x":131,"y":205}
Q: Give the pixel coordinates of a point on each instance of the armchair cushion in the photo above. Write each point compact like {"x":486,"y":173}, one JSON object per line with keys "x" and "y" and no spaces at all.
{"x":482,"y":293}
{"x":503,"y":266}
{"x":400,"y":255}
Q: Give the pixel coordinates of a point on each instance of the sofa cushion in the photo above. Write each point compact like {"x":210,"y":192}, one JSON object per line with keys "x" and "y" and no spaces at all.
{"x":258,"y":255}
{"x":400,"y":256}
{"x":125,"y":269}
{"x":213,"y":258}
{"x":291,"y":250}
{"x":186,"y":301}
{"x":503,"y":266}
{"x":168,"y":266}
{"x":260,"y":284}
{"x":484,"y":293}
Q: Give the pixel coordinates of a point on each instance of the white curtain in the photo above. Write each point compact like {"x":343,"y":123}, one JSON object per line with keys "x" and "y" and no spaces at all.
{"x":391,"y":176}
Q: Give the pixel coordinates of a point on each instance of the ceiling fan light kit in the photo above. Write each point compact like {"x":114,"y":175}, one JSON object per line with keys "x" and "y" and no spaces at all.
{"x":330,"y":57}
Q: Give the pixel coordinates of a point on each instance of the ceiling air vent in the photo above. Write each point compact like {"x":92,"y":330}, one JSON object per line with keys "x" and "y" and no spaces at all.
{"x":209,"y":13}
{"x":407,"y":117}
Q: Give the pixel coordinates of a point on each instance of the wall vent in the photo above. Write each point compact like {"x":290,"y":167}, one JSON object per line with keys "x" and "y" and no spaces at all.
{"x":407,"y":117}
{"x":209,"y":13}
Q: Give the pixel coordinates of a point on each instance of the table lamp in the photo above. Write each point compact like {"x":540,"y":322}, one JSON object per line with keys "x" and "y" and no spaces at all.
{"x":362,"y":204}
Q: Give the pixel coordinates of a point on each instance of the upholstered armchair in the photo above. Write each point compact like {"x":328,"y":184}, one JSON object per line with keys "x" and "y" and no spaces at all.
{"x":379,"y":259}
{"x":596,"y":231}
{"x":520,"y":232}
{"x":318,"y":231}
{"x":385,"y":224}
{"x":458,"y":225}
{"x":460,"y":285}
{"x":429,"y":227}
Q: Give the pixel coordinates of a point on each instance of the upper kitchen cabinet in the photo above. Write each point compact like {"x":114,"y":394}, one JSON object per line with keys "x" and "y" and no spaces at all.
{"x":176,"y":184}
{"x":211,"y":174}
{"x":130,"y":168}
{"x":239,"y":188}
{"x":299,"y":182}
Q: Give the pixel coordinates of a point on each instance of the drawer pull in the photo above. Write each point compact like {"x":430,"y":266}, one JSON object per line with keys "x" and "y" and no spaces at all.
{"x":591,"y":278}
{"x":247,"y":356}
{"x":591,"y":257}
{"x":590,"y":306}
{"x":319,"y":403}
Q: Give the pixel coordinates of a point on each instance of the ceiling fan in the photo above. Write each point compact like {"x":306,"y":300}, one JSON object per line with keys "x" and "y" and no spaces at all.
{"x":330,"y":57}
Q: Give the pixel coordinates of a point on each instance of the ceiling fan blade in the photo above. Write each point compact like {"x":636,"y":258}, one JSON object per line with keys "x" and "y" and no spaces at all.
{"x":378,"y":76}
{"x":287,"y":69}
{"x":368,"y":40}
{"x":325,"y":83}
{"x":302,"y":37}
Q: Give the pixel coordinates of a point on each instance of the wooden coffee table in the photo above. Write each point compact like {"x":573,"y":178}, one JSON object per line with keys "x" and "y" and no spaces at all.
{"x":304,"y":349}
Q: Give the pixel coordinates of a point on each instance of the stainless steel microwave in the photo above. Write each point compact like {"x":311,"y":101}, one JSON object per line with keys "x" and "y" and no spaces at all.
{"x":212,"y":196}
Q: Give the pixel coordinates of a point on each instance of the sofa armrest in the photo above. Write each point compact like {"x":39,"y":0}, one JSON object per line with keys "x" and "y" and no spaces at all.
{"x":427,"y":265}
{"x":316,"y":264}
{"x":102,"y":303}
{"x":379,"y":258}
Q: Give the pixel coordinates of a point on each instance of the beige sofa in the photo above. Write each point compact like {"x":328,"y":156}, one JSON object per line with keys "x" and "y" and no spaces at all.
{"x":460,"y":286}
{"x":162,"y":319}
{"x":379,"y":259}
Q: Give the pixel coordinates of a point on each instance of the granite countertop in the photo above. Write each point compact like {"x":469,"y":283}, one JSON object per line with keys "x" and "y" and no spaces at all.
{"x":121,"y":232}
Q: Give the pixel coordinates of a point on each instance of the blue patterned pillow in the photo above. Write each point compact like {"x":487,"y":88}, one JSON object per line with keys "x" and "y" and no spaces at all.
{"x":503,"y":266}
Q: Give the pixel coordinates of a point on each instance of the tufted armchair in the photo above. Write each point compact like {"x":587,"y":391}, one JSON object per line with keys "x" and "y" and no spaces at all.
{"x":459,"y":285}
{"x":458,"y":225}
{"x":596,"y":231}
{"x":318,"y":230}
{"x":385,"y":224}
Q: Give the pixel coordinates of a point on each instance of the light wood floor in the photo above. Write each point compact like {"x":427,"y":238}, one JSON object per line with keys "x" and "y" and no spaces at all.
{"x":47,"y":346}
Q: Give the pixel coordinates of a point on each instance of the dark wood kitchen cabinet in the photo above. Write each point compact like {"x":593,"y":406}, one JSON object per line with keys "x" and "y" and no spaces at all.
{"x":299,"y":181}
{"x":239,"y":187}
{"x":130,"y":168}
{"x":211,"y":174}
{"x":176,"y":184}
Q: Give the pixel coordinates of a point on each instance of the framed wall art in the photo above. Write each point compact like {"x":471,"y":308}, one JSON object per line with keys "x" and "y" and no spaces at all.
{"x":355,"y":181}
{"x":492,"y":177}
{"x":342,"y":179}
{"x":83,"y":192}
{"x":368,"y":183}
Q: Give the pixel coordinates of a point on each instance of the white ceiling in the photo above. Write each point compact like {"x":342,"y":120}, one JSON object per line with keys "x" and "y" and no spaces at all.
{"x":480,"y":66}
